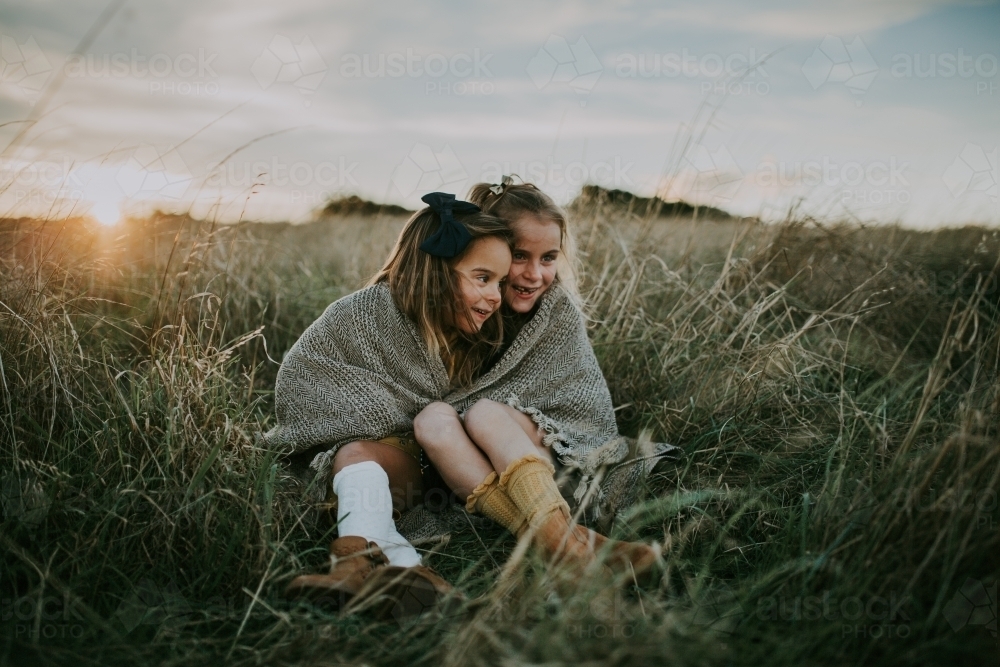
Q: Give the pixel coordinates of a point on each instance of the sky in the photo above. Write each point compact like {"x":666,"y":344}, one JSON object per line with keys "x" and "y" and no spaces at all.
{"x":878,"y":112}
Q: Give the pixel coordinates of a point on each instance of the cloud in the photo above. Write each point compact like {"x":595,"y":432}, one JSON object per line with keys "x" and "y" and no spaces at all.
{"x":374,"y":120}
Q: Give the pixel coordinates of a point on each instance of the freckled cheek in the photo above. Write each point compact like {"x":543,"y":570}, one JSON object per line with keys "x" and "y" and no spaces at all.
{"x":548,"y":276}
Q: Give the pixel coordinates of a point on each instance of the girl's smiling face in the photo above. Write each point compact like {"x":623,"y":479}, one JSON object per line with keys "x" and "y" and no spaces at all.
{"x":481,"y":271}
{"x":533,"y":265}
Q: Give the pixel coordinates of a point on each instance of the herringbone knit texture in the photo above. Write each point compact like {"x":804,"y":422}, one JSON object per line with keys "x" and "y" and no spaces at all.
{"x":361,"y":371}
{"x":491,"y":500}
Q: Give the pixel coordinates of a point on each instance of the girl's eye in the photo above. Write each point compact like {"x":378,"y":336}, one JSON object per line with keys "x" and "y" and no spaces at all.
{"x":518,"y":255}
{"x":549,"y":258}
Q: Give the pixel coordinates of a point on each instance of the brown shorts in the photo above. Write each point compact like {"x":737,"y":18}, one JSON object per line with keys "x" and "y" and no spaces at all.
{"x":433,"y":483}
{"x":404,"y":442}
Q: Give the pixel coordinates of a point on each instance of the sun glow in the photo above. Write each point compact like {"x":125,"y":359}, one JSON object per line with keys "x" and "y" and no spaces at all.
{"x":107,"y":211}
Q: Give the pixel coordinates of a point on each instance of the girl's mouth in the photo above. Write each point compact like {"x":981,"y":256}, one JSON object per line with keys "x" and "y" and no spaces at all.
{"x":482,"y":313}
{"x":524,"y":292}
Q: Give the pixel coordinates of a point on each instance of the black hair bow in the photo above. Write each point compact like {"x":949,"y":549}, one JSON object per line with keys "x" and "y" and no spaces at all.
{"x":451,"y":238}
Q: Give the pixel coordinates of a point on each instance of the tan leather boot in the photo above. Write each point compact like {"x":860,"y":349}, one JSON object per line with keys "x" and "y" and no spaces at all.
{"x":353,"y":560}
{"x":404,"y":592}
{"x":530,"y":486}
{"x":640,"y":560}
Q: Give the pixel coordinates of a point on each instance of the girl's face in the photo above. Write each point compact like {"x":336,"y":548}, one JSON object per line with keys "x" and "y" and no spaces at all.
{"x":536,"y":249}
{"x":481,"y":271}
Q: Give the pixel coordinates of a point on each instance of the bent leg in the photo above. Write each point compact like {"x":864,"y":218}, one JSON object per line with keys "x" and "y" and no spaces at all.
{"x":405,"y":480}
{"x":504,"y":434}
{"x":440,"y":432}
{"x":370,"y":478}
{"x":530,"y":428}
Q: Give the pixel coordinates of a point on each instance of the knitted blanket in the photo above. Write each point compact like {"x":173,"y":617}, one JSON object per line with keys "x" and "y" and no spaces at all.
{"x":362,"y":372}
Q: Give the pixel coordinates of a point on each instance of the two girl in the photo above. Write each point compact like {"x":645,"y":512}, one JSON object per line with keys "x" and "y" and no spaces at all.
{"x":419,"y":347}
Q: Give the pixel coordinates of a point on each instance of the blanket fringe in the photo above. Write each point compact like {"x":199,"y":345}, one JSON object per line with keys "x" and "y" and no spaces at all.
{"x":321,"y":466}
{"x":552,"y":436}
{"x":588,"y":490}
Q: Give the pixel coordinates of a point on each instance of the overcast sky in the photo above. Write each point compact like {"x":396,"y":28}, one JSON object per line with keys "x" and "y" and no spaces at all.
{"x":877,"y":111}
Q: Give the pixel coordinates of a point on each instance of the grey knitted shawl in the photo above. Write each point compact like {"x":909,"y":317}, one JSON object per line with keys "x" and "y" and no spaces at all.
{"x":362,"y":372}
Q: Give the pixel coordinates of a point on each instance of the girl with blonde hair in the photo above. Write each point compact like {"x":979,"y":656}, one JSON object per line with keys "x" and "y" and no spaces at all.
{"x":546,"y":405}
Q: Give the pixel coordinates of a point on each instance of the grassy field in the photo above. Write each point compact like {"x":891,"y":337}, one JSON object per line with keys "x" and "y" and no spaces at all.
{"x":834,"y":388}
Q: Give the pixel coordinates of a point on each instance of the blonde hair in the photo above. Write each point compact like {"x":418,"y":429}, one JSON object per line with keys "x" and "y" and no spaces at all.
{"x":519,"y":199}
{"x":426,"y":289}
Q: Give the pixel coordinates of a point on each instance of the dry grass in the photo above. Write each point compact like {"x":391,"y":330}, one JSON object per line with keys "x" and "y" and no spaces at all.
{"x":835,"y":390}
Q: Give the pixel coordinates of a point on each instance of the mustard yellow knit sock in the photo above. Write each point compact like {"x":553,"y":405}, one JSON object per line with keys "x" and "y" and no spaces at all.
{"x":492,"y":501}
{"x":531,"y":486}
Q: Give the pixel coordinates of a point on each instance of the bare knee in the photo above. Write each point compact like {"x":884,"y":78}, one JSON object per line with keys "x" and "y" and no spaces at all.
{"x":484,"y":408}
{"x":483,"y":417}
{"x":433,"y":421}
{"x":487,"y":418}
{"x":353,"y":452}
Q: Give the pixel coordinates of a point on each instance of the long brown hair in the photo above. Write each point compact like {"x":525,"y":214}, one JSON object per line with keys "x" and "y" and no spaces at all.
{"x":520,"y":199}
{"x":426,"y":289}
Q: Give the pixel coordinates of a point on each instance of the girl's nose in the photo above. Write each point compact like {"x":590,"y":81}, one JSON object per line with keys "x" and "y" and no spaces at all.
{"x":493,"y":295}
{"x":532,"y":271}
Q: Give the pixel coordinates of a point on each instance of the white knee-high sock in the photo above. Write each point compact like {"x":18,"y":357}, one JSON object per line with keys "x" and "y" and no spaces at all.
{"x":364,"y":508}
